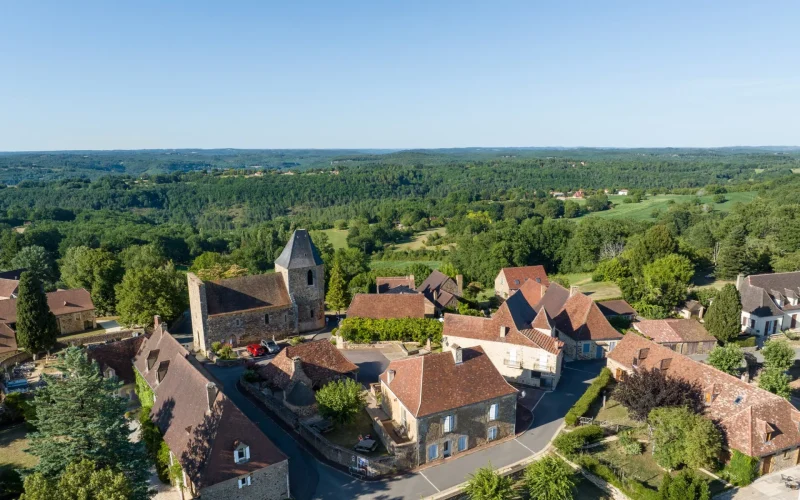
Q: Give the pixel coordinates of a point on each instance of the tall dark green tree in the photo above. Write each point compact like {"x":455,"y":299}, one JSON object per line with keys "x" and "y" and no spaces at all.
{"x":37,"y":328}
{"x":733,"y":254}
{"x":723,"y":319}
{"x":80,"y":417}
{"x":337,"y":291}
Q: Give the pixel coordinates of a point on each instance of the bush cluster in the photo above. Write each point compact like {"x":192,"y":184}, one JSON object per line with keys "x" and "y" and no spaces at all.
{"x":570,"y":443}
{"x":741,"y":470}
{"x":580,"y":407}
{"x":366,"y":330}
{"x":156,"y":447}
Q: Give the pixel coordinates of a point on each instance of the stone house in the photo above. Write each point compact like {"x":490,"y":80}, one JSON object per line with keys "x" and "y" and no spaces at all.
{"x":691,"y":309}
{"x":755,"y":422}
{"x":448,"y":403}
{"x":396,"y":284}
{"x":770,"y":302}
{"x":115,"y":360}
{"x":442,"y":290}
{"x":390,"y":305}
{"x":251,"y":308}
{"x":686,"y":336}
{"x":511,"y":279}
{"x":73,"y":309}
{"x":221,"y":452}
{"x":522,"y":345}
{"x":297,"y":372}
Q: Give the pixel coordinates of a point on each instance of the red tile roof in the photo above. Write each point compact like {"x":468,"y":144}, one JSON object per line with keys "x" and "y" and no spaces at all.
{"x":488,"y":329}
{"x":384,"y":306}
{"x":321,"y":362}
{"x":8,"y":287}
{"x":434,"y":383}
{"x":61,"y":302}
{"x":118,"y":356}
{"x":740,"y":409}
{"x":581,"y":319}
{"x":516,"y":276}
{"x":8,"y":339}
{"x":203,"y":440}
{"x":674,"y":330}
{"x":397,"y":284}
{"x":245,"y":293}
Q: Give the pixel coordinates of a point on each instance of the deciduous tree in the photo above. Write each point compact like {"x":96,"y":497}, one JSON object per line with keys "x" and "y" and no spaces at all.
{"x":146,"y":292}
{"x":643,"y":390}
{"x":681,"y":437}
{"x":666,"y":280}
{"x":37,"y":261}
{"x":778,"y":355}
{"x":95,"y":269}
{"x":486,"y":484}
{"x":341,"y":400}
{"x":80,"y":480}
{"x":727,"y":358}
{"x":775,"y":381}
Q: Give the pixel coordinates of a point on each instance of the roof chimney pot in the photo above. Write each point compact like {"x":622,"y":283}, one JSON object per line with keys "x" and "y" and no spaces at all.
{"x":211,"y":394}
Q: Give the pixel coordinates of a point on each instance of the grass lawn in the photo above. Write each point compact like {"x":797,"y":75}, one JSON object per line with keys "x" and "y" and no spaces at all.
{"x":337,"y":237}
{"x":383,"y":264}
{"x":642,"y":467}
{"x":12,"y":443}
{"x":597,"y":291}
{"x":643,"y":210}
{"x":612,"y":412}
{"x":346,"y":436}
{"x":417,"y":241}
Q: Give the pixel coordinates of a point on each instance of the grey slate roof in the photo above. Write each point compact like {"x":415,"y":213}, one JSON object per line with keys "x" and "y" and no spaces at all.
{"x":299,"y":252}
{"x":756,"y":289}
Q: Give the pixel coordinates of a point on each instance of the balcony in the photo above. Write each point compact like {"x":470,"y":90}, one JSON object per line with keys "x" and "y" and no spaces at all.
{"x":529,"y":365}
{"x":512,"y":363}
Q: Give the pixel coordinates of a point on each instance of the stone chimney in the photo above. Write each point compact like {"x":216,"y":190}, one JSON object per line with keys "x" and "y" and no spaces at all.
{"x":411,"y":277}
{"x":156,"y":321}
{"x":211,"y":394}
{"x":503,"y":332}
{"x":573,"y":290}
{"x":390,"y":375}
{"x":739,"y":280}
{"x":297,"y":366}
{"x":457,"y":354}
{"x":460,"y":283}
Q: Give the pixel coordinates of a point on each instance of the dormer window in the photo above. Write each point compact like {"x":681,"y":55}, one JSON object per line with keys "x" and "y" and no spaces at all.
{"x":245,"y":481}
{"x":241,"y":454}
{"x":152,"y":356}
{"x":110,"y":373}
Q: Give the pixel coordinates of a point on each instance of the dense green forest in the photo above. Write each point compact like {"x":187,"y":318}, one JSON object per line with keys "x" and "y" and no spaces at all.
{"x":232,"y":211}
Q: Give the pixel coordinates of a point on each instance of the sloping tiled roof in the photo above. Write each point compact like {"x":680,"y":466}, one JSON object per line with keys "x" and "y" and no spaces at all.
{"x":758,"y":290}
{"x":118,"y":356}
{"x":433,"y":283}
{"x":396,"y":284}
{"x":246,"y":292}
{"x":581,"y":319}
{"x":434,"y":383}
{"x":8,"y":339}
{"x":533,"y":291}
{"x":321,"y":361}
{"x":61,"y":302}
{"x":616,"y":308}
{"x":738,"y":407}
{"x":299,"y":252}
{"x":8,"y":287}
{"x":203,"y":440}
{"x":516,"y":276}
{"x":554,"y":299}
{"x":384,"y":306}
{"x":674,"y":330}
{"x":488,"y":330}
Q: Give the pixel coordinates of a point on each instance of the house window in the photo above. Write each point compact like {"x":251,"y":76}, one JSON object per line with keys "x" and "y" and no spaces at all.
{"x":241,"y":453}
{"x":310,"y":277}
{"x":493,"y":412}
{"x":237,"y":322}
{"x":266,"y":319}
{"x":462,"y":443}
{"x":244,"y":481}
{"x":586,"y":348}
{"x":449,"y":423}
{"x":433,"y":452}
{"x":311,"y":313}
{"x":492,"y":434}
{"x":611,"y":346}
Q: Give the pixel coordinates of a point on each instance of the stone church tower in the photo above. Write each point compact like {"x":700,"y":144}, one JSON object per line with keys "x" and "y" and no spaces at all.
{"x":304,"y":275}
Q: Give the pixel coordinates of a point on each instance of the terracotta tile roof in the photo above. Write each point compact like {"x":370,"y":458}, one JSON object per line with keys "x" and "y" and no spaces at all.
{"x":60,"y":302}
{"x":616,"y":308}
{"x":581,"y":319}
{"x":246,"y":292}
{"x":203,"y":440}
{"x":517,"y":276}
{"x":738,"y":407}
{"x":8,"y":339}
{"x":674,"y":330}
{"x":397,"y":284}
{"x":554,"y":299}
{"x":533,"y":291}
{"x":321,"y":362}
{"x":488,"y":330}
{"x":8,"y":287}
{"x":118,"y":356}
{"x":434,"y":383}
{"x":384,"y":306}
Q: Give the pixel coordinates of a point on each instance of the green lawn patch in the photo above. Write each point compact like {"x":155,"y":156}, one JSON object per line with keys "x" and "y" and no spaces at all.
{"x":382,"y":264}
{"x":644,"y":209}
{"x":346,"y":436}
{"x":602,"y":290}
{"x":337,"y":237}
{"x":613,"y":412}
{"x":417,"y":241}
{"x":13,"y":442}
{"x":642,"y":468}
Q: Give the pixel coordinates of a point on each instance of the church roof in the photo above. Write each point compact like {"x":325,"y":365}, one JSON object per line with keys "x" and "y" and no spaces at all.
{"x":299,"y":252}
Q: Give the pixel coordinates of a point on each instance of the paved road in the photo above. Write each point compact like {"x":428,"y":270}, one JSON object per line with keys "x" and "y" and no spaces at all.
{"x":311,"y":479}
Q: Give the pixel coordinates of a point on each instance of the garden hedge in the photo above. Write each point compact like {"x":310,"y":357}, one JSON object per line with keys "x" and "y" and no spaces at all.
{"x":570,"y":443}
{"x":366,"y":330}
{"x":583,"y":404}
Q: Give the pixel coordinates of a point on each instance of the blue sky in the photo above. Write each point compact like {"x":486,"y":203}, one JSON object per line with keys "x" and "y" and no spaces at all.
{"x":380,"y":74}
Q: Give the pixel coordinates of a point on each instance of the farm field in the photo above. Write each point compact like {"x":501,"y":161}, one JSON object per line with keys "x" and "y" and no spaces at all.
{"x":337,"y":237}
{"x":418,"y":240}
{"x":383,"y":264}
{"x":644,"y":209}
{"x":603,"y":290}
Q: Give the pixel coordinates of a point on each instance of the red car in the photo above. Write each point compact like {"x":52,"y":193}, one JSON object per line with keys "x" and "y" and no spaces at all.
{"x":256,"y":350}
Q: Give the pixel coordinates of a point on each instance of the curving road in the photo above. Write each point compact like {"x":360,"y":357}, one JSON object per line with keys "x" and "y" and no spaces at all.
{"x":311,"y":479}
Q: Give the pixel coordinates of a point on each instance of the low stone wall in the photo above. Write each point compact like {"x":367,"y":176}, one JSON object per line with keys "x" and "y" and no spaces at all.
{"x":372,"y":467}
{"x":13,"y":359}
{"x":346,"y":344}
{"x":274,"y":405}
{"x":404,"y":453}
{"x":65,"y":342}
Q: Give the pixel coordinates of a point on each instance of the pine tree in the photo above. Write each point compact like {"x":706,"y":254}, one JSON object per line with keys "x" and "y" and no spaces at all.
{"x":80,"y":417}
{"x":733,"y":255}
{"x":337,"y":291}
{"x":37,"y":328}
{"x":723,"y":317}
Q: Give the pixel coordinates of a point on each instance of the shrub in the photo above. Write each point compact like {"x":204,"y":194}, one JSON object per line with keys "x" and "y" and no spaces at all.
{"x":583,"y":404}
{"x":643,"y":390}
{"x":549,"y":478}
{"x":570,"y":443}
{"x":366,"y":330}
{"x":486,"y":484}
{"x":341,"y":400}
{"x":226,"y":352}
{"x":296,"y":340}
{"x":631,"y":487}
{"x":629,"y":444}
{"x":215,"y":346}
{"x":251,"y":376}
{"x":746,"y":341}
{"x":741,"y":470}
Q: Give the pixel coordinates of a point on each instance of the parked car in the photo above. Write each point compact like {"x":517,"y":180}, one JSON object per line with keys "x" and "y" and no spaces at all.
{"x":256,"y":350}
{"x":271,"y":346}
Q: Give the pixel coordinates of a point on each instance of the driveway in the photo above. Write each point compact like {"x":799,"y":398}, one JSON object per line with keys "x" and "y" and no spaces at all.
{"x":311,"y":479}
{"x":371,"y":363}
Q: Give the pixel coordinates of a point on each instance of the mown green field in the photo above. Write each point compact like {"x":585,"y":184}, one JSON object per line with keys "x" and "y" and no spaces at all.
{"x":644,"y":209}
{"x":383,"y":264}
{"x":418,"y":240}
{"x":603,"y":290}
{"x":337,"y":237}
